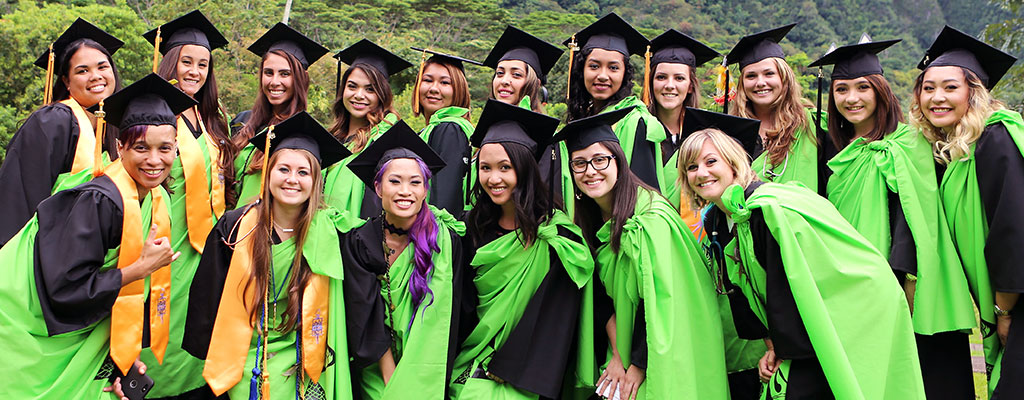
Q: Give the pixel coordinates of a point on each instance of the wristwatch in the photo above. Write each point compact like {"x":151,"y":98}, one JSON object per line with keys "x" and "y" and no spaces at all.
{"x":1001,"y":312}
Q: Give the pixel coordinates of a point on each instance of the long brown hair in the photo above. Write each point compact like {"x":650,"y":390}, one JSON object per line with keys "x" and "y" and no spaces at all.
{"x":581,"y":103}
{"x":588,"y":213}
{"x":532,"y":87}
{"x":380,"y":85}
{"x":692,"y":97}
{"x":788,"y":115}
{"x":460,"y":88}
{"x":888,"y":114}
{"x":212,"y":114}
{"x":262,"y":257}
{"x":263,"y":112}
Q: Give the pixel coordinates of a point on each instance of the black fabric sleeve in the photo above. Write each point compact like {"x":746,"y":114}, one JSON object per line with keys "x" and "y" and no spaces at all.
{"x":42,"y":149}
{"x":468,"y":301}
{"x":638,"y":349}
{"x":642,"y":162}
{"x":209,"y":282}
{"x":1000,"y":169}
{"x":371,"y":204}
{"x":748,"y":326}
{"x":76,"y":229}
{"x":239,"y":121}
{"x":368,"y":335}
{"x":903,"y":250}
{"x":538,"y":366}
{"x":459,"y":276}
{"x":451,"y":143}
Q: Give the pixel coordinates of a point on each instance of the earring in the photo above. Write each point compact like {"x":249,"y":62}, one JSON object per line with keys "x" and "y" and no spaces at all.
{"x":578,"y":196}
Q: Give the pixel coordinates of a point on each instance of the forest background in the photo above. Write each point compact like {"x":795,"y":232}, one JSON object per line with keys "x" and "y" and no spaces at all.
{"x":469,"y":28}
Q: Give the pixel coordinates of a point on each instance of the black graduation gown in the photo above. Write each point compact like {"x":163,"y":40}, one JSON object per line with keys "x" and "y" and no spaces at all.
{"x":446,"y":189}
{"x":643,"y":162}
{"x":41,"y":150}
{"x":368,"y":334}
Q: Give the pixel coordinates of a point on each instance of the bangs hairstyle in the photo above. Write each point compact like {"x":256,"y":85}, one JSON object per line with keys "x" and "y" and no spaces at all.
{"x":261,"y":240}
{"x":460,"y":89}
{"x":953,"y":144}
{"x":379,"y":84}
{"x":888,"y":113}
{"x":211,"y":113}
{"x":787,"y":115}
{"x":263,"y":112}
{"x":624,"y":194}
{"x":530,"y":197}
{"x":532,"y":87}
{"x":692,"y":97}
{"x":580,"y":101}
{"x":729,"y":150}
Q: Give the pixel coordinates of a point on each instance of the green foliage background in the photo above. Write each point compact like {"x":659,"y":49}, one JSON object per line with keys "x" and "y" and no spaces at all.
{"x":469,"y":28}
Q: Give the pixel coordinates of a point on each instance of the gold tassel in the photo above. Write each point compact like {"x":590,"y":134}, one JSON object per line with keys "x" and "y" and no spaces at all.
{"x":48,"y":85}
{"x":156,"y":50}
{"x":416,"y":88}
{"x":101,"y":128}
{"x":645,"y":94}
{"x":573,"y":48}
{"x":266,"y":159}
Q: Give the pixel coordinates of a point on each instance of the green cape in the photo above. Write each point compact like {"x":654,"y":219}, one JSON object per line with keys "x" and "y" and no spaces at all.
{"x":421,"y":350}
{"x":855,"y":313}
{"x":454,"y":115}
{"x":801,"y":163}
{"x":343,"y":190}
{"x":507,"y":276}
{"x":49,"y":367}
{"x":248,"y":184}
{"x":969,"y":228}
{"x":658,"y":262}
{"x":863,"y":175}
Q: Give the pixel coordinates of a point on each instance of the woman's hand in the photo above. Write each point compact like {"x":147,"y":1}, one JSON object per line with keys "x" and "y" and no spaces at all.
{"x":1003,"y":327}
{"x":613,"y":378}
{"x":387,"y":366}
{"x":156,"y":253}
{"x":634,"y":377}
{"x":769,"y":363}
{"x":116,"y":386}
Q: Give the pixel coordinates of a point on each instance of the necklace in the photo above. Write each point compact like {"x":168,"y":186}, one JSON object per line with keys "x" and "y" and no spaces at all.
{"x":394,"y":229}
{"x":385,"y":279}
{"x":283,"y":229}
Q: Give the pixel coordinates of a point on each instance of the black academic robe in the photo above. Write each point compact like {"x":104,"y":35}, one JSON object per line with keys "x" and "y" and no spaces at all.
{"x":446,"y":189}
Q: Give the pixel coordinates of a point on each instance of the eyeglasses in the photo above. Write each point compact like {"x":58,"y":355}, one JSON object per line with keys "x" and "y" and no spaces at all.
{"x":599,"y":163}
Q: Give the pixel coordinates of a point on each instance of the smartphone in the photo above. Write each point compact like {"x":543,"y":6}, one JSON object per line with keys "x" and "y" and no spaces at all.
{"x":134,"y":385}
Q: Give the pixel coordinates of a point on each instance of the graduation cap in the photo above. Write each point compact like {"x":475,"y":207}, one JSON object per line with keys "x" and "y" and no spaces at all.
{"x":759,"y":46}
{"x":439,"y":57}
{"x":516,"y":44}
{"x":149,"y":101}
{"x":506,"y":123}
{"x":192,"y":28}
{"x":955,"y":48}
{"x":674,"y":47}
{"x":302,"y":132}
{"x":400,"y":141}
{"x":283,"y":37}
{"x":369,"y":53}
{"x":611,"y":33}
{"x":80,"y":29}
{"x":855,"y":61}
{"x":583,"y":132}
{"x":743,"y":130}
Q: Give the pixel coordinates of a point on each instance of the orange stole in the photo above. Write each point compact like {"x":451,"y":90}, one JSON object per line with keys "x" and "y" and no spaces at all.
{"x":229,"y":342}
{"x":201,"y":200}
{"x":690,"y":217}
{"x":84,"y":148}
{"x":127,"y":314}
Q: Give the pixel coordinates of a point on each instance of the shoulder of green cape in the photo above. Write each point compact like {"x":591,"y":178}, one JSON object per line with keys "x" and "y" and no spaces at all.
{"x":447,"y":221}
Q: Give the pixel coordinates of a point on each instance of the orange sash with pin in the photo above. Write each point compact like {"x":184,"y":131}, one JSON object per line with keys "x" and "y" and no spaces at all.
{"x":203,"y":202}
{"x":126,"y":317}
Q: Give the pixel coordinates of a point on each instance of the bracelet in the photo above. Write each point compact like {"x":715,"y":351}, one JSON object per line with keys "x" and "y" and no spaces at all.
{"x":1001,"y":312}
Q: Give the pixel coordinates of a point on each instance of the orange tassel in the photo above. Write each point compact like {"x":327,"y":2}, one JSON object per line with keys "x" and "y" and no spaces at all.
{"x":266,"y":159}
{"x":156,"y":50}
{"x":645,"y":94}
{"x":573,"y":48}
{"x":101,"y":128}
{"x":416,"y":88}
{"x":48,"y":85}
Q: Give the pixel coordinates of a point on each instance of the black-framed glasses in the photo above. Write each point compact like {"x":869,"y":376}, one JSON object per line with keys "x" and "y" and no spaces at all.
{"x":599,"y":163}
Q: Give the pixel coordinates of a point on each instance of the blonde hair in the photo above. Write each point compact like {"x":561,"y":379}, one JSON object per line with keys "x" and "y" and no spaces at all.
{"x":728,"y":149}
{"x":953,"y":144}
{"x":788,"y":115}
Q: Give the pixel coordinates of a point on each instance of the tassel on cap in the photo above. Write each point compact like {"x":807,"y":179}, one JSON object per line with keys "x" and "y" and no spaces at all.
{"x":266,"y":159}
{"x":646,"y":92}
{"x":101,"y":128}
{"x":48,"y":85}
{"x":573,"y":48}
{"x":416,"y":87}
{"x":156,"y":50}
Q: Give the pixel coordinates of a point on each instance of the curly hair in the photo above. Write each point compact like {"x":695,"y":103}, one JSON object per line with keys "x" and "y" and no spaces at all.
{"x":788,"y":115}
{"x":953,"y":144}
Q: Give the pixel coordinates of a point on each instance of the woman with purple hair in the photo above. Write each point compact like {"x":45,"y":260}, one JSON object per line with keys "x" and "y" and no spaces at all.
{"x":402,"y":274}
{"x":530,"y":264}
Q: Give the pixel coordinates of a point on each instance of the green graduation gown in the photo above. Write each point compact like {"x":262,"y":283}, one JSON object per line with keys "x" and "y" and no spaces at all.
{"x":344,"y":191}
{"x":801,"y":164}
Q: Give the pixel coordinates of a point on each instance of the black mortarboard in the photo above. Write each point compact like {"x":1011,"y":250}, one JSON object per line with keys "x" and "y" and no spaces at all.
{"x":80,"y":29}
{"x":516,"y":44}
{"x":612,"y":33}
{"x":676,"y":47}
{"x":302,"y":132}
{"x":283,"y":37}
{"x":400,"y":141}
{"x":506,"y":123}
{"x":856,"y":60}
{"x":149,"y":101}
{"x":743,"y":130}
{"x":192,"y":28}
{"x":369,"y":53}
{"x":759,"y":46}
{"x":955,"y":48}
{"x":583,"y":132}
{"x":448,"y":58}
